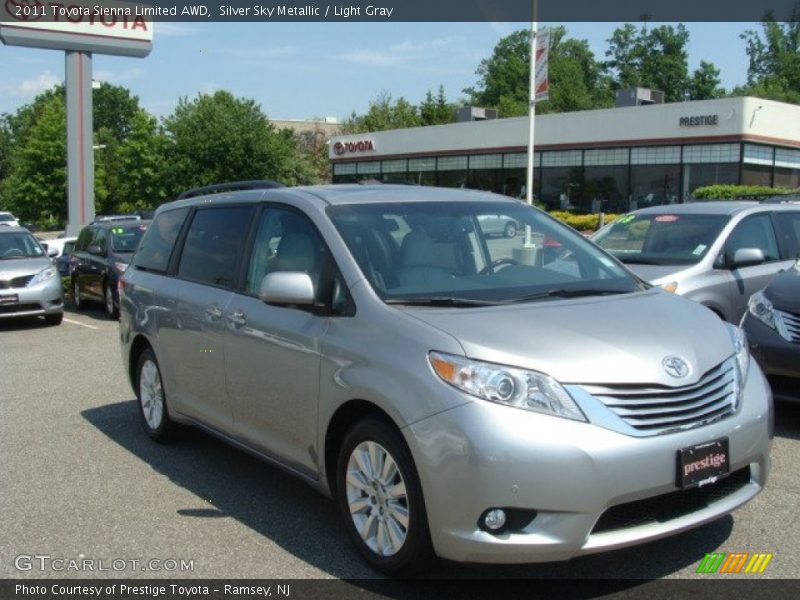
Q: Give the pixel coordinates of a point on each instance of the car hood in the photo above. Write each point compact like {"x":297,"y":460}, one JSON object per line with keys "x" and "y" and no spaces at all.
{"x":608,"y":339}
{"x":655,"y":273}
{"x":784,"y":290}
{"x":17,"y":267}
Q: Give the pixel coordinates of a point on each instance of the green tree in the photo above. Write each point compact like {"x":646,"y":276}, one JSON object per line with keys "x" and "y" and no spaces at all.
{"x":36,"y":186}
{"x":705,"y":83}
{"x":383,"y":114}
{"x":577,"y":81}
{"x":774,"y":60}
{"x":218,"y":137}
{"x":436,"y":110}
{"x":656,"y":58}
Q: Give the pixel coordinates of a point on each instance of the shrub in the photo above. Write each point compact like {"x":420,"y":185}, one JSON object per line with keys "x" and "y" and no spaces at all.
{"x":729,"y":192}
{"x":582,"y":222}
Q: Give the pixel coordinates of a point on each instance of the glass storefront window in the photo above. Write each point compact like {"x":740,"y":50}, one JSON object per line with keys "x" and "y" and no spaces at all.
{"x":605,"y":189}
{"x":561,"y":187}
{"x":654,"y":184}
{"x":695,"y":176}
{"x":756,"y":175}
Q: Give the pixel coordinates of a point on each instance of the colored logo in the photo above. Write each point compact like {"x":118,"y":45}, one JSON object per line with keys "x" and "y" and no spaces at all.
{"x":734,"y":562}
{"x":676,"y":366}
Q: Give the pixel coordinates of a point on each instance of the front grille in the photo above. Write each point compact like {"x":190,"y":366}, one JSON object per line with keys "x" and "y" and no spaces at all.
{"x":667,"y":507}
{"x":14,"y":308}
{"x":792,"y":323}
{"x":660,"y":409}
{"x":17,"y":282}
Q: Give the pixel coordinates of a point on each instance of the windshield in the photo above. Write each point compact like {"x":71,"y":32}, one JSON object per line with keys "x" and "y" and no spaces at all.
{"x":467,"y":253}
{"x":6,"y":217}
{"x":126,"y":239}
{"x":661,"y":239}
{"x":19,"y":245}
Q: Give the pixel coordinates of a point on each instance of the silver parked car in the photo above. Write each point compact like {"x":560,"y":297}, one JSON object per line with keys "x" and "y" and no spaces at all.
{"x":480,"y":399}
{"x":29,"y":281}
{"x":716,"y":253}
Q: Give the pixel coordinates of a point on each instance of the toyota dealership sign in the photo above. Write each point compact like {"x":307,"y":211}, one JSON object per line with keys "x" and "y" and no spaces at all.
{"x":120,"y":28}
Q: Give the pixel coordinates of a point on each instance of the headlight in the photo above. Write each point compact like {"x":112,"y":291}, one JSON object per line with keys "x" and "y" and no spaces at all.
{"x":742,"y":353}
{"x":43,"y":275}
{"x":519,"y":388}
{"x":761,"y":308}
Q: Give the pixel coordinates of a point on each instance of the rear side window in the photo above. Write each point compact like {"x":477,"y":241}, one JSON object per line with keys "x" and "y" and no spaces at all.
{"x":214,"y":245}
{"x":788,"y":225}
{"x":156,"y":245}
{"x":754,"y":232}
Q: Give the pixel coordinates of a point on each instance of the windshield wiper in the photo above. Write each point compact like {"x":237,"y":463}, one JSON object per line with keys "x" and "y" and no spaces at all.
{"x":565,"y":293}
{"x":441,"y":301}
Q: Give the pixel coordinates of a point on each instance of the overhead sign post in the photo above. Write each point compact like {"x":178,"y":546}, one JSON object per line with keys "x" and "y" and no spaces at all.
{"x":80,"y":28}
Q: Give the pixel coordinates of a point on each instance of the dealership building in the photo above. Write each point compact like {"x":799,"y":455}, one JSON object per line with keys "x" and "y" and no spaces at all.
{"x":616,"y":159}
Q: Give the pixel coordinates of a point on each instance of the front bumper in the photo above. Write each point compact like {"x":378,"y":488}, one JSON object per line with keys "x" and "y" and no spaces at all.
{"x":483,"y":455}
{"x":46,"y":298}
{"x":779,"y":358}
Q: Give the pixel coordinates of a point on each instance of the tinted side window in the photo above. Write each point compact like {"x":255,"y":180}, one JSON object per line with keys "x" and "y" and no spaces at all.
{"x":101,"y":239}
{"x":754,"y":232}
{"x":155,"y":248}
{"x":788,"y":225}
{"x":84,"y":238}
{"x":214,"y":245}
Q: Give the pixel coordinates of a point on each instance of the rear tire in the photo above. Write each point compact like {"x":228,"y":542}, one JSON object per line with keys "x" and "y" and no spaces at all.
{"x":152,"y":398}
{"x":76,"y":294}
{"x":54,"y":319}
{"x":112,"y":311}
{"x":380,"y":499}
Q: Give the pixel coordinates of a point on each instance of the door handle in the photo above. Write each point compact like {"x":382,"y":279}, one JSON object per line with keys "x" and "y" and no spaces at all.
{"x":214,"y":312}
{"x":237,"y":319}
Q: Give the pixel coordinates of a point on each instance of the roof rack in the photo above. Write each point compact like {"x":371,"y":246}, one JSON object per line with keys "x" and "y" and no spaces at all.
{"x":780,"y":199}
{"x":233,"y":186}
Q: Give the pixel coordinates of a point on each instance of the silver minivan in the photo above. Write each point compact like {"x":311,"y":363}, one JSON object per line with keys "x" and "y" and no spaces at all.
{"x":472,"y":397}
{"x":716,"y":253}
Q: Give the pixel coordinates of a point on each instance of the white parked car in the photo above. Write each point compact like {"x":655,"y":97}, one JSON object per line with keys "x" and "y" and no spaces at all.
{"x":7,"y":219}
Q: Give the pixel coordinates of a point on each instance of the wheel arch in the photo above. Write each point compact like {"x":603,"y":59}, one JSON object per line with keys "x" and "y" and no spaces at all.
{"x":340,"y":422}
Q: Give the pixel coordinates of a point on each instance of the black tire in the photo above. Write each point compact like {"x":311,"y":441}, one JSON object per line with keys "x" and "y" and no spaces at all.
{"x":76,"y":294}
{"x":415,"y":555}
{"x":161,"y":429}
{"x":511,"y":229}
{"x":54,"y":319}
{"x":112,"y":312}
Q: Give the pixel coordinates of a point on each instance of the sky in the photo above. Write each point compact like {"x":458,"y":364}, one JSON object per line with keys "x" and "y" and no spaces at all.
{"x":314,"y":70}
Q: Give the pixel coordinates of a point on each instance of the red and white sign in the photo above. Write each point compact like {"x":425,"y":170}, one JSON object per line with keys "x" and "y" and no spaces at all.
{"x":542,"y":81}
{"x":353,"y":147}
{"x":109,"y":27}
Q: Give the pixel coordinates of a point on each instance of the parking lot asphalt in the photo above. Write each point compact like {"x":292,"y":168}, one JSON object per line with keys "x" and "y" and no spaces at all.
{"x":80,"y":479}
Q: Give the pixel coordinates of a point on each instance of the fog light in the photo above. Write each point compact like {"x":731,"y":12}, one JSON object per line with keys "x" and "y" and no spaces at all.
{"x":494,"y":519}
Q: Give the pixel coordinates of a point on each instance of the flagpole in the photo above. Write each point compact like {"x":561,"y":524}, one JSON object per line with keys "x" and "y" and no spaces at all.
{"x":531,"y":107}
{"x":531,"y":117}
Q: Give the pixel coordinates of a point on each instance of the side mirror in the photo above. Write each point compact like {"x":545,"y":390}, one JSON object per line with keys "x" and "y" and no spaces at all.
{"x":95,"y":249}
{"x":52,"y":252}
{"x":747,"y":257}
{"x":287,"y":287}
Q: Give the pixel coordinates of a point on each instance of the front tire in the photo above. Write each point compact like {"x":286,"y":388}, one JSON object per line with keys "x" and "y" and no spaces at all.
{"x":152,"y":398}
{"x":380,"y":499}
{"x":54,"y":319}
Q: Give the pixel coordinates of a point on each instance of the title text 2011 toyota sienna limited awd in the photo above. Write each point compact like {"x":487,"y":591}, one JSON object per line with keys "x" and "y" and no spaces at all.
{"x":484,"y":399}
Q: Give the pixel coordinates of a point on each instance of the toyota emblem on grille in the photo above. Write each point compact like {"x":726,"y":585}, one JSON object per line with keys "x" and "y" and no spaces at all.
{"x":676,"y":366}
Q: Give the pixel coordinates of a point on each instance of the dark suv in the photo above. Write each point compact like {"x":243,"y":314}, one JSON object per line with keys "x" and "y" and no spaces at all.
{"x":101,"y":254}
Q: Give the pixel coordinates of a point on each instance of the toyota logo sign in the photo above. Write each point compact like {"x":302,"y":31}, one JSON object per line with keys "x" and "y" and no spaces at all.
{"x":340,"y":148}
{"x":25,"y":10}
{"x":676,"y":366}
